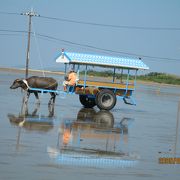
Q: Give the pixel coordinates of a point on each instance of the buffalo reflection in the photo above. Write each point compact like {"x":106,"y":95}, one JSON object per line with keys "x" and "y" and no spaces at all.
{"x":33,"y":121}
{"x":93,"y":139}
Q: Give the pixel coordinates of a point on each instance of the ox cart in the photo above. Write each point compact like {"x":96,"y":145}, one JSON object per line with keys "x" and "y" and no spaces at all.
{"x":102,"y":92}
{"x":95,"y":91}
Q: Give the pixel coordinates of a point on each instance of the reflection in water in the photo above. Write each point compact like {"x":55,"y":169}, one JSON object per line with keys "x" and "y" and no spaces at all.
{"x":32,"y":121}
{"x":93,"y":139}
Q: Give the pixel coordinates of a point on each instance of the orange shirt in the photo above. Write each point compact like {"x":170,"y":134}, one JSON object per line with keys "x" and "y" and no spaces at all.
{"x":72,"y":78}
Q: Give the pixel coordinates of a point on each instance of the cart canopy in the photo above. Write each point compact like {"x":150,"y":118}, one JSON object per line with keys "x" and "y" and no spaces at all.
{"x":98,"y":60}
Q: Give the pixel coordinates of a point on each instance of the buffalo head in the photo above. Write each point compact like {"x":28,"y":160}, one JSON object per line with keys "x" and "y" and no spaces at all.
{"x":18,"y":83}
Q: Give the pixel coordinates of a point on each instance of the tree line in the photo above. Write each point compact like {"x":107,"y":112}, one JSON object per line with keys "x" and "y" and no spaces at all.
{"x":150,"y":77}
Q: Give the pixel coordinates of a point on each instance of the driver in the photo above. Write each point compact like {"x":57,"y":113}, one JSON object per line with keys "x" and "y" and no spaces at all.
{"x":70,"y":79}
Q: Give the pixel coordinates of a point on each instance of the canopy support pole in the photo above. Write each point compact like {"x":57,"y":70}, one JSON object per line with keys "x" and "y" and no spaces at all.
{"x":65,"y":68}
{"x":121,"y":75}
{"x":135,"y":79}
{"x":85,"y":77}
{"x":127,"y":82}
{"x":114,"y":75}
{"x":78,"y":71}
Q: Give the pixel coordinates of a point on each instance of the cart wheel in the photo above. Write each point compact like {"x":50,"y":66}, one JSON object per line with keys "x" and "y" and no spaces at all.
{"x":86,"y":101}
{"x":105,"y":99}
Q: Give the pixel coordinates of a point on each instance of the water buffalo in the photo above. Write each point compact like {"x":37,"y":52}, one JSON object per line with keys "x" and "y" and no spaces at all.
{"x":36,"y":82}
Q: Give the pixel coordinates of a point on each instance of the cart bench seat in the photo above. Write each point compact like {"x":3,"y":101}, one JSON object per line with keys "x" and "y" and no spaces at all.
{"x":130,"y":86}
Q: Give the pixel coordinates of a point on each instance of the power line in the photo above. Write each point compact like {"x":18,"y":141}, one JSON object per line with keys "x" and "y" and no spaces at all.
{"x":12,"y":31}
{"x":155,"y":58}
{"x":8,"y":34}
{"x":113,"y":26}
{"x":101,"y":24}
{"x":108,"y":50}
{"x":9,"y":13}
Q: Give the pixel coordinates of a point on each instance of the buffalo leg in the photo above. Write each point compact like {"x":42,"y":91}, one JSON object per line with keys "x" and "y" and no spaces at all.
{"x":53,"y":97}
{"x":36,"y":109}
{"x":26,"y":97}
{"x":37,"y":97}
{"x":24,"y":107}
{"x":51,"y":110}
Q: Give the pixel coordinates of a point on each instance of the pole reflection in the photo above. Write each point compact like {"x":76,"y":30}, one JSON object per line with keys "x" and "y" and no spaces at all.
{"x":33,"y":121}
{"x":93,"y":139}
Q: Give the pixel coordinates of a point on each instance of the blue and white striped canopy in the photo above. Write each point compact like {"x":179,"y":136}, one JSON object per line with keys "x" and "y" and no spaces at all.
{"x":98,"y":60}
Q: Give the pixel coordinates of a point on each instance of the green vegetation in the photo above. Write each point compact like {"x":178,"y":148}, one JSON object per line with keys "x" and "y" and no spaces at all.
{"x":107,"y":73}
{"x":160,"y":78}
{"x":150,"y":77}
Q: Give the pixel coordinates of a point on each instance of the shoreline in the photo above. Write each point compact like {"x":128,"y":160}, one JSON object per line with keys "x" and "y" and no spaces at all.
{"x":36,"y":71}
{"x":23,"y":70}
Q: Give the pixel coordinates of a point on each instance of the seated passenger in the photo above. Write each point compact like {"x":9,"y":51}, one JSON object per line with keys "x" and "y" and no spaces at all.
{"x":70,"y":79}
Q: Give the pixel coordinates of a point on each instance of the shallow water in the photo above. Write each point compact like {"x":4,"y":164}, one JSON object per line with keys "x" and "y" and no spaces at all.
{"x":69,"y":142}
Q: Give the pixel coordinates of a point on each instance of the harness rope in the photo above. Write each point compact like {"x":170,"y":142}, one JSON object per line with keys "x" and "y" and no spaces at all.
{"x":26,"y":83}
{"x":38,"y":50}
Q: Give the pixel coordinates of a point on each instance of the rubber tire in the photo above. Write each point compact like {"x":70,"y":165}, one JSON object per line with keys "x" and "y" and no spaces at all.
{"x":106,"y":99}
{"x":87,"y":102}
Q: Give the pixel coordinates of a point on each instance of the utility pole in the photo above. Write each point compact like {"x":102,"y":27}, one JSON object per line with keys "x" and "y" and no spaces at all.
{"x":30,"y":14}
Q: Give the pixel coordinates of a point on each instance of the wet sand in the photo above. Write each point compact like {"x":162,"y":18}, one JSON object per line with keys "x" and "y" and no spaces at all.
{"x":70,"y":142}
{"x":31,"y":71}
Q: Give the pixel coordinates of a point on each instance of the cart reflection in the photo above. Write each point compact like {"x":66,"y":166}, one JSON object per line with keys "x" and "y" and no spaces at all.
{"x":94,"y":139}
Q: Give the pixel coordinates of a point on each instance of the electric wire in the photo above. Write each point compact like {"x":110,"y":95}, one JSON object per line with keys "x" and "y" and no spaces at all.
{"x":111,"y":51}
{"x":97,"y":24}
{"x":93,"y":47}
{"x":155,"y":58}
{"x":9,"y":13}
{"x":111,"y":25}
{"x":100,"y":24}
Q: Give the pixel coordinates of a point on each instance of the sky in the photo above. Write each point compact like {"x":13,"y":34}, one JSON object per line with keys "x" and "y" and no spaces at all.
{"x":124,"y":28}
